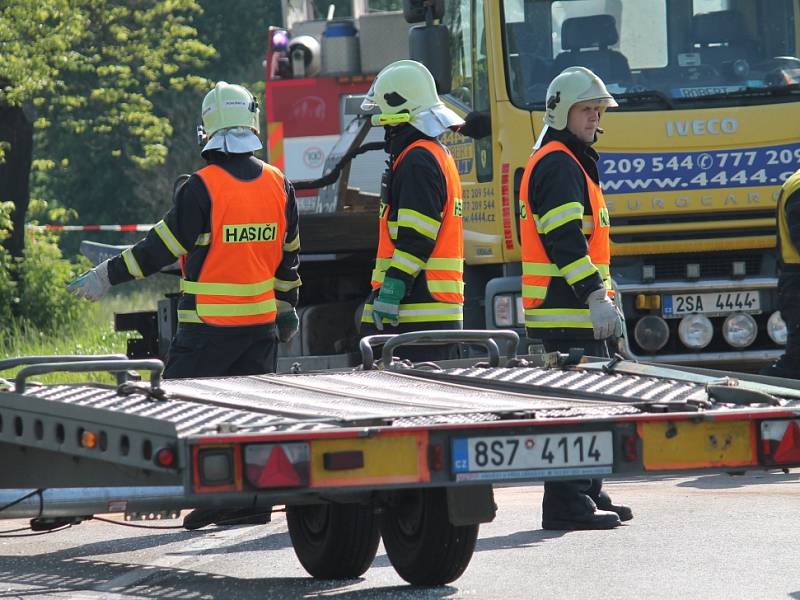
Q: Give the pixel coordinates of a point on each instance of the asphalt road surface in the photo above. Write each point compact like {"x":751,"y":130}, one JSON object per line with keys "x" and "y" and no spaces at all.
{"x":709,"y":537}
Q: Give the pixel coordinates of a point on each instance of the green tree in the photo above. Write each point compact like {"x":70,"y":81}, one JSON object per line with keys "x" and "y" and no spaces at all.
{"x":95,"y":69}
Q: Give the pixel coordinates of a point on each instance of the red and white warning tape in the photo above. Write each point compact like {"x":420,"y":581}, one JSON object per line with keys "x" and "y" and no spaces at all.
{"x":130,"y":227}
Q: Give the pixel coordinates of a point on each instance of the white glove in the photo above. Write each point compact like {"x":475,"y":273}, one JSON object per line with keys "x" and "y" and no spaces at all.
{"x":93,"y":284}
{"x":605,"y":318}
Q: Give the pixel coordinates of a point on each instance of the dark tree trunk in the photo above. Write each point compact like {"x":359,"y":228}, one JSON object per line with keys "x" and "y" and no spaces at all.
{"x":16,"y":170}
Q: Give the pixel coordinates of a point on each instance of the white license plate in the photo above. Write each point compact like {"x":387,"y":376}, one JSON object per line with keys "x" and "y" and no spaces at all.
{"x":714,"y":303}
{"x":546,"y":453}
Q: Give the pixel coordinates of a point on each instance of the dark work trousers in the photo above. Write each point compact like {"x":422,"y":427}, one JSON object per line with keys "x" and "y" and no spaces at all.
{"x":788,"y":365}
{"x":565,"y":498}
{"x":205,"y":351}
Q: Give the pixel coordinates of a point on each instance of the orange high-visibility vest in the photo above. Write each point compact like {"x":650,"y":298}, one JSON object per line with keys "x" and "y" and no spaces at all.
{"x":236,"y":285}
{"x":445,"y":266}
{"x":538,"y":271}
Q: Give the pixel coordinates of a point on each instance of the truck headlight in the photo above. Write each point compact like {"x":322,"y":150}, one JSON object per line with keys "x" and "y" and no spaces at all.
{"x":776,"y":328}
{"x":508,"y":310}
{"x":695,"y":331}
{"x":503,"y":310}
{"x":739,"y":330}
{"x":651,"y":333}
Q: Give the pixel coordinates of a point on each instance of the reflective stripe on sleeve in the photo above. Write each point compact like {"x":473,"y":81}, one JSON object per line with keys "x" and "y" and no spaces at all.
{"x":170,"y":241}
{"x":130,"y":263}
{"x":204,"y":239}
{"x":555,"y":218}
{"x":419,"y":222}
{"x":292,"y":246}
{"x":284,"y":285}
{"x":408,"y":263}
{"x":578,"y":270}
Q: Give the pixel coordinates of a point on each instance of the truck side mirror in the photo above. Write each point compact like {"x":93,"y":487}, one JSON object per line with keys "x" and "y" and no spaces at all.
{"x":430,"y":45}
{"x":414,"y":10}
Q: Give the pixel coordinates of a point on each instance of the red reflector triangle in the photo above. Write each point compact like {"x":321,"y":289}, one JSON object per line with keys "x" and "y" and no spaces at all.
{"x":278,"y":471}
{"x":789,"y":448}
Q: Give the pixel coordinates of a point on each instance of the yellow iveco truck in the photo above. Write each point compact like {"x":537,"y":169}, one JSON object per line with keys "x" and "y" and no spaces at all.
{"x":691,"y":163}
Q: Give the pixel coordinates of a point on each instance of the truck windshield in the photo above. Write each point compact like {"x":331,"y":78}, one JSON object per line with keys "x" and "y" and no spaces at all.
{"x":655,"y":54}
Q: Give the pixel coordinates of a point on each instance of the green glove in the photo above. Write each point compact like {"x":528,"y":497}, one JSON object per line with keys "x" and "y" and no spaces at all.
{"x":286,"y":321}
{"x":387,"y":303}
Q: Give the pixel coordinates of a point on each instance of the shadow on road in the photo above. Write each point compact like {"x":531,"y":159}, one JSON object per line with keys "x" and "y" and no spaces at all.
{"x":723,"y":481}
{"x":518,"y":539}
{"x":74,"y":570}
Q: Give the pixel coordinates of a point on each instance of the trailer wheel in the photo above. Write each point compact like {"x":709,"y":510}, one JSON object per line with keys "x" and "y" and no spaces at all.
{"x":333,"y":541}
{"x":422,"y":545}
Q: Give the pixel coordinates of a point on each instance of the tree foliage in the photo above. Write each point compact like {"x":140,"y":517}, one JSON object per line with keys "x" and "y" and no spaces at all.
{"x":95,"y":78}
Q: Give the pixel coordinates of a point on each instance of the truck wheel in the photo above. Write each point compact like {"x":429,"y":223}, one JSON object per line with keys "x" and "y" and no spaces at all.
{"x":422,"y":545}
{"x":333,"y":541}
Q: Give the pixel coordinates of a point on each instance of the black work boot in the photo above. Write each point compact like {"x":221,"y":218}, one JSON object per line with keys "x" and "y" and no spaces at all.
{"x":603,"y":501}
{"x":566,"y":508}
{"x":227,"y":517}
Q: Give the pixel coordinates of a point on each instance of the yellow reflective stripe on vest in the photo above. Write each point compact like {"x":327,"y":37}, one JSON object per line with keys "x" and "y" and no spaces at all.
{"x":422,"y":312}
{"x":553,"y":219}
{"x":204,"y":239}
{"x":419,"y":222}
{"x":227,"y":289}
{"x":237,"y":310}
{"x":540,"y":318}
{"x":604,"y":270}
{"x":131,"y":264}
{"x":392,"y":226}
{"x":445,"y":286}
{"x":534,"y":291}
{"x":188,"y":316}
{"x":542,"y":269}
{"x":408,"y":263}
{"x":588,"y":225}
{"x":170,"y":241}
{"x":578,"y":270}
{"x":445,"y":264}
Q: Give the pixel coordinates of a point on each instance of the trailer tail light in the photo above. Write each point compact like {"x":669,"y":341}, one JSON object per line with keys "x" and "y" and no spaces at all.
{"x":216,"y":468}
{"x":780,"y":442}
{"x":165,"y":457}
{"x":277,"y":465}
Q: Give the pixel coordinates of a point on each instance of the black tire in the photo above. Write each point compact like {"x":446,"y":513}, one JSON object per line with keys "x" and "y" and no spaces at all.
{"x":422,"y":545}
{"x":334,"y":541}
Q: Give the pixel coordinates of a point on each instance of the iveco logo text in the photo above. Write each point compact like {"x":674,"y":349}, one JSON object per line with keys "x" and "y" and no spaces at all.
{"x":702,"y":127}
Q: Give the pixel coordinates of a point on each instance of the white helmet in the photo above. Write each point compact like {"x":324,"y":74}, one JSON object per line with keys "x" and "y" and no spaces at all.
{"x":406,"y":87}
{"x":572,"y":85}
{"x":230,"y":120}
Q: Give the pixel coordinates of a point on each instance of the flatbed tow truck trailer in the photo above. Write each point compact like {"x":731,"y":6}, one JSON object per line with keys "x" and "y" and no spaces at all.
{"x":404,"y":452}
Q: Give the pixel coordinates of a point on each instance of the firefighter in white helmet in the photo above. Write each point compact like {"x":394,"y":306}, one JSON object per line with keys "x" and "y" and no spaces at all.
{"x":234,"y":229}
{"x":566,"y":252}
{"x":417,"y":283}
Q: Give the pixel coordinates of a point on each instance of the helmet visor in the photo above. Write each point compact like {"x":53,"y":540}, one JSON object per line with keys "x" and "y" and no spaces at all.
{"x":368,"y":104}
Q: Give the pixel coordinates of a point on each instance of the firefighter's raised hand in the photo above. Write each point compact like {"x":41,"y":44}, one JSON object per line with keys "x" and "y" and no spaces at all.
{"x":287,"y":321}
{"x":92,"y":285}
{"x":606,"y":321}
{"x":386,"y":306}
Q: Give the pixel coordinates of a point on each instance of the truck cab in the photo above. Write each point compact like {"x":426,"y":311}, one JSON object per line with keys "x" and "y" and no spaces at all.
{"x":691,"y":161}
